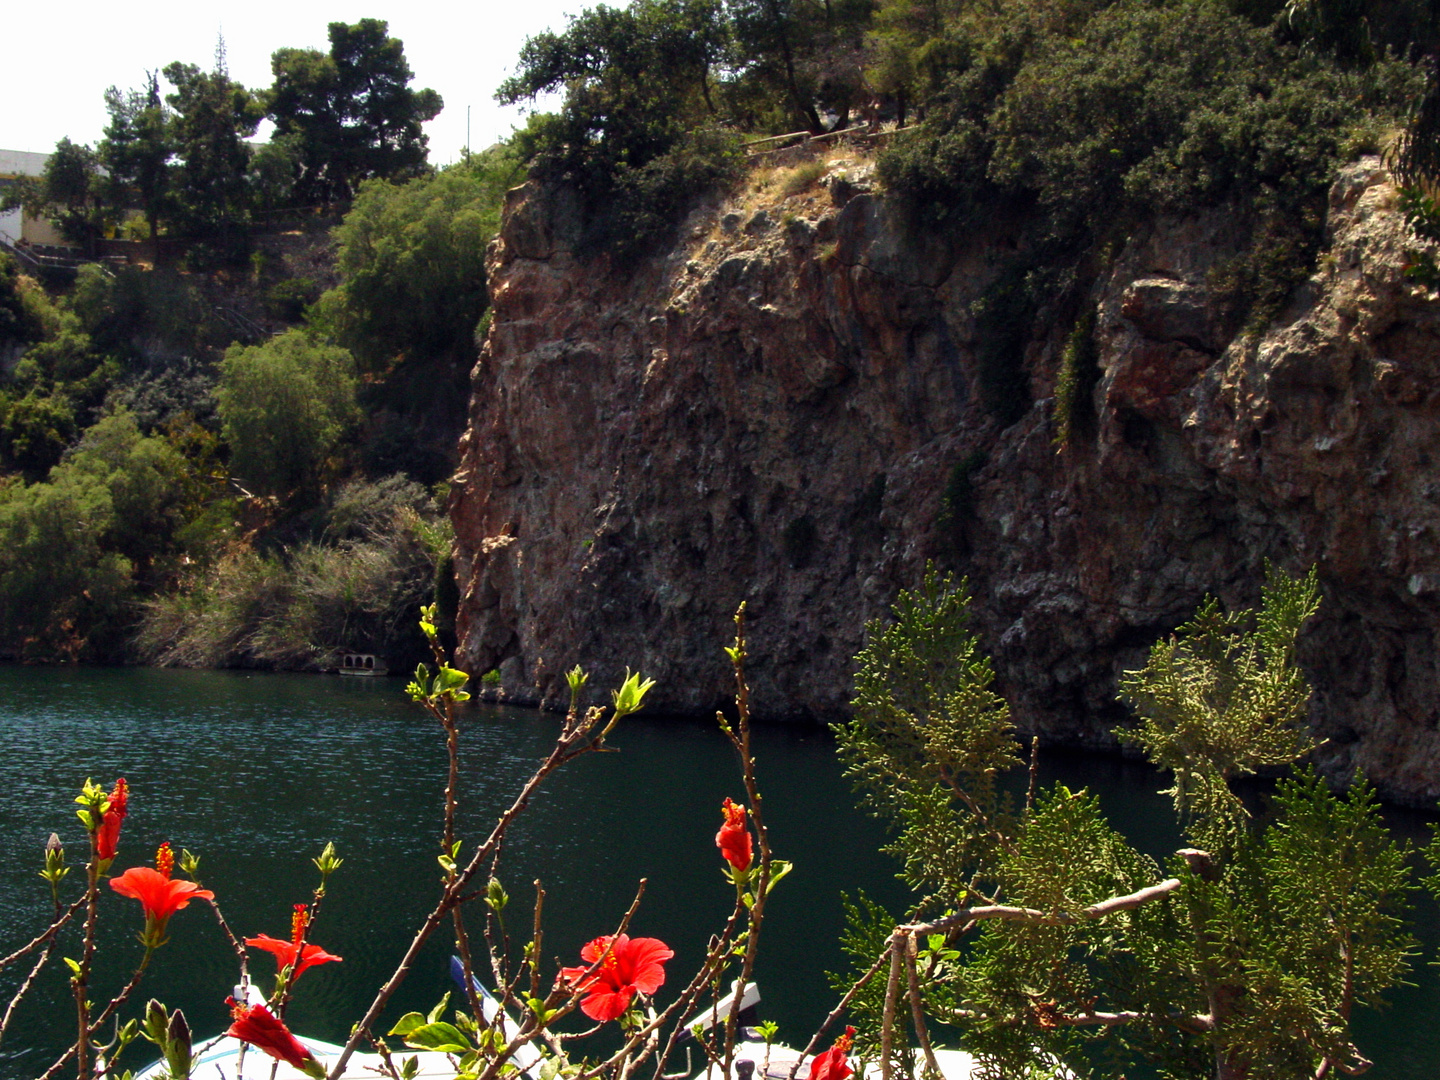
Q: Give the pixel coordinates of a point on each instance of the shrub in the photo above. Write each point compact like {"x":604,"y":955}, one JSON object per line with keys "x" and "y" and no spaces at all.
{"x":287,"y":300}
{"x":1075,"y":381}
{"x":802,"y":178}
{"x":146,"y":315}
{"x":360,"y":586}
{"x":284,"y":406}
{"x":61,"y":593}
{"x":412,"y":262}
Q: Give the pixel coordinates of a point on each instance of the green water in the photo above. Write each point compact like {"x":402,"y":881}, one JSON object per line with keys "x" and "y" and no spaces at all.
{"x":257,"y":772}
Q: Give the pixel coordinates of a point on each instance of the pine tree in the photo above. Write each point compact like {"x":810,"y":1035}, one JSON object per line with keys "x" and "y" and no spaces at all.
{"x":1056,"y":947}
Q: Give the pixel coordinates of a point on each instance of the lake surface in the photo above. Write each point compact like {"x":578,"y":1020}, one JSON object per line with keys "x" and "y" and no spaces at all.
{"x":256,"y":772}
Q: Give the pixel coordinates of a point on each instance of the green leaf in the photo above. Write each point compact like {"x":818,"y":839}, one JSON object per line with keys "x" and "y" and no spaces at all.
{"x":439,"y":1009}
{"x":448,"y":680}
{"x":631,"y":695}
{"x":406,"y":1024}
{"x":441,"y":1036}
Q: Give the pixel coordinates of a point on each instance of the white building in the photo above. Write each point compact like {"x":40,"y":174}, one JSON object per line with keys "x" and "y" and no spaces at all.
{"x":15,"y":225}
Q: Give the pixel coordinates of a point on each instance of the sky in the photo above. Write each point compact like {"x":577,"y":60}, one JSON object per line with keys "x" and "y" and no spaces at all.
{"x":59,"y":61}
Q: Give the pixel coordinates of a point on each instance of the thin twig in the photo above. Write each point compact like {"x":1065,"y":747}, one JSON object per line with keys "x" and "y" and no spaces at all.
{"x":892,"y":988}
{"x":25,"y":987}
{"x":1034,"y":773}
{"x":917,"y":1013}
{"x":838,"y":1011}
{"x":45,"y":935}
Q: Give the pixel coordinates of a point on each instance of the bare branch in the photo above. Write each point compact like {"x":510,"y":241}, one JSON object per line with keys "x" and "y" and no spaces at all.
{"x":966,"y":916}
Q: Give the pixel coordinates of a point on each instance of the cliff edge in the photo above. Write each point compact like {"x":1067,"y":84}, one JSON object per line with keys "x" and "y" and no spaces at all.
{"x":786,"y":409}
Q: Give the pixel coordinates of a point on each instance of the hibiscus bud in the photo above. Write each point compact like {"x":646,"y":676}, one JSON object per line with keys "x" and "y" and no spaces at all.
{"x":189,"y":864}
{"x":177,"y":1046}
{"x":157,"y":1022}
{"x":327,"y":863}
{"x":496,"y":896}
{"x":55,"y":867}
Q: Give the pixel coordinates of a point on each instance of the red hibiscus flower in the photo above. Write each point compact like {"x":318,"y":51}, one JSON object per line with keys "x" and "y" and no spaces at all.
{"x":285,"y":954}
{"x":107,"y":837}
{"x":159,"y":896}
{"x":733,"y":839}
{"x":286,"y":951}
{"x":831,"y":1064}
{"x":258,"y":1026}
{"x":632,"y":964}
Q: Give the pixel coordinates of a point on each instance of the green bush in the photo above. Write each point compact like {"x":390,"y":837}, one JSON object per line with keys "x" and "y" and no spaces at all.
{"x":148,"y":481}
{"x":62,"y":595}
{"x":146,"y":315}
{"x":1075,"y":382}
{"x":35,"y":429}
{"x":412,"y":262}
{"x":287,"y":300}
{"x":645,"y":204}
{"x":1145,"y":108}
{"x":284,"y":407}
{"x":26,"y":313}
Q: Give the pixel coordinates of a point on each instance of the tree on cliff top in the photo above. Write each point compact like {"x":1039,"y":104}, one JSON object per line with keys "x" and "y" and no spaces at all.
{"x":1060,"y":950}
{"x":214,"y":115}
{"x":633,"y":132}
{"x":352,"y":112}
{"x":137,"y":148}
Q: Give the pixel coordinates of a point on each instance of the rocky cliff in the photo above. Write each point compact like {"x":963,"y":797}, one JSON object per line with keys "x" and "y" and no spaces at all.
{"x":786,"y":410}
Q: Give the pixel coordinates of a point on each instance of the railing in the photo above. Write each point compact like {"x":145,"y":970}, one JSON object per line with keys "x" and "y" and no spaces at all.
{"x":248,"y":330}
{"x":45,"y":260}
{"x":862,"y":135}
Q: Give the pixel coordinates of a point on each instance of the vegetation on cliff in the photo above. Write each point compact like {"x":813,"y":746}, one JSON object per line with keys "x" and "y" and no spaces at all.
{"x":1092,"y":114}
{"x":169,"y":493}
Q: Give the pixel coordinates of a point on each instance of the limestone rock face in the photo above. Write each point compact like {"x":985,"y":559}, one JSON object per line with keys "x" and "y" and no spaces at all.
{"x":786,"y":410}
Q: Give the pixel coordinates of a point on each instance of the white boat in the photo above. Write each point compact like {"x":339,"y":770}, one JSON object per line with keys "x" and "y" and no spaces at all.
{"x":219,"y":1059}
{"x":775,"y":1062}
